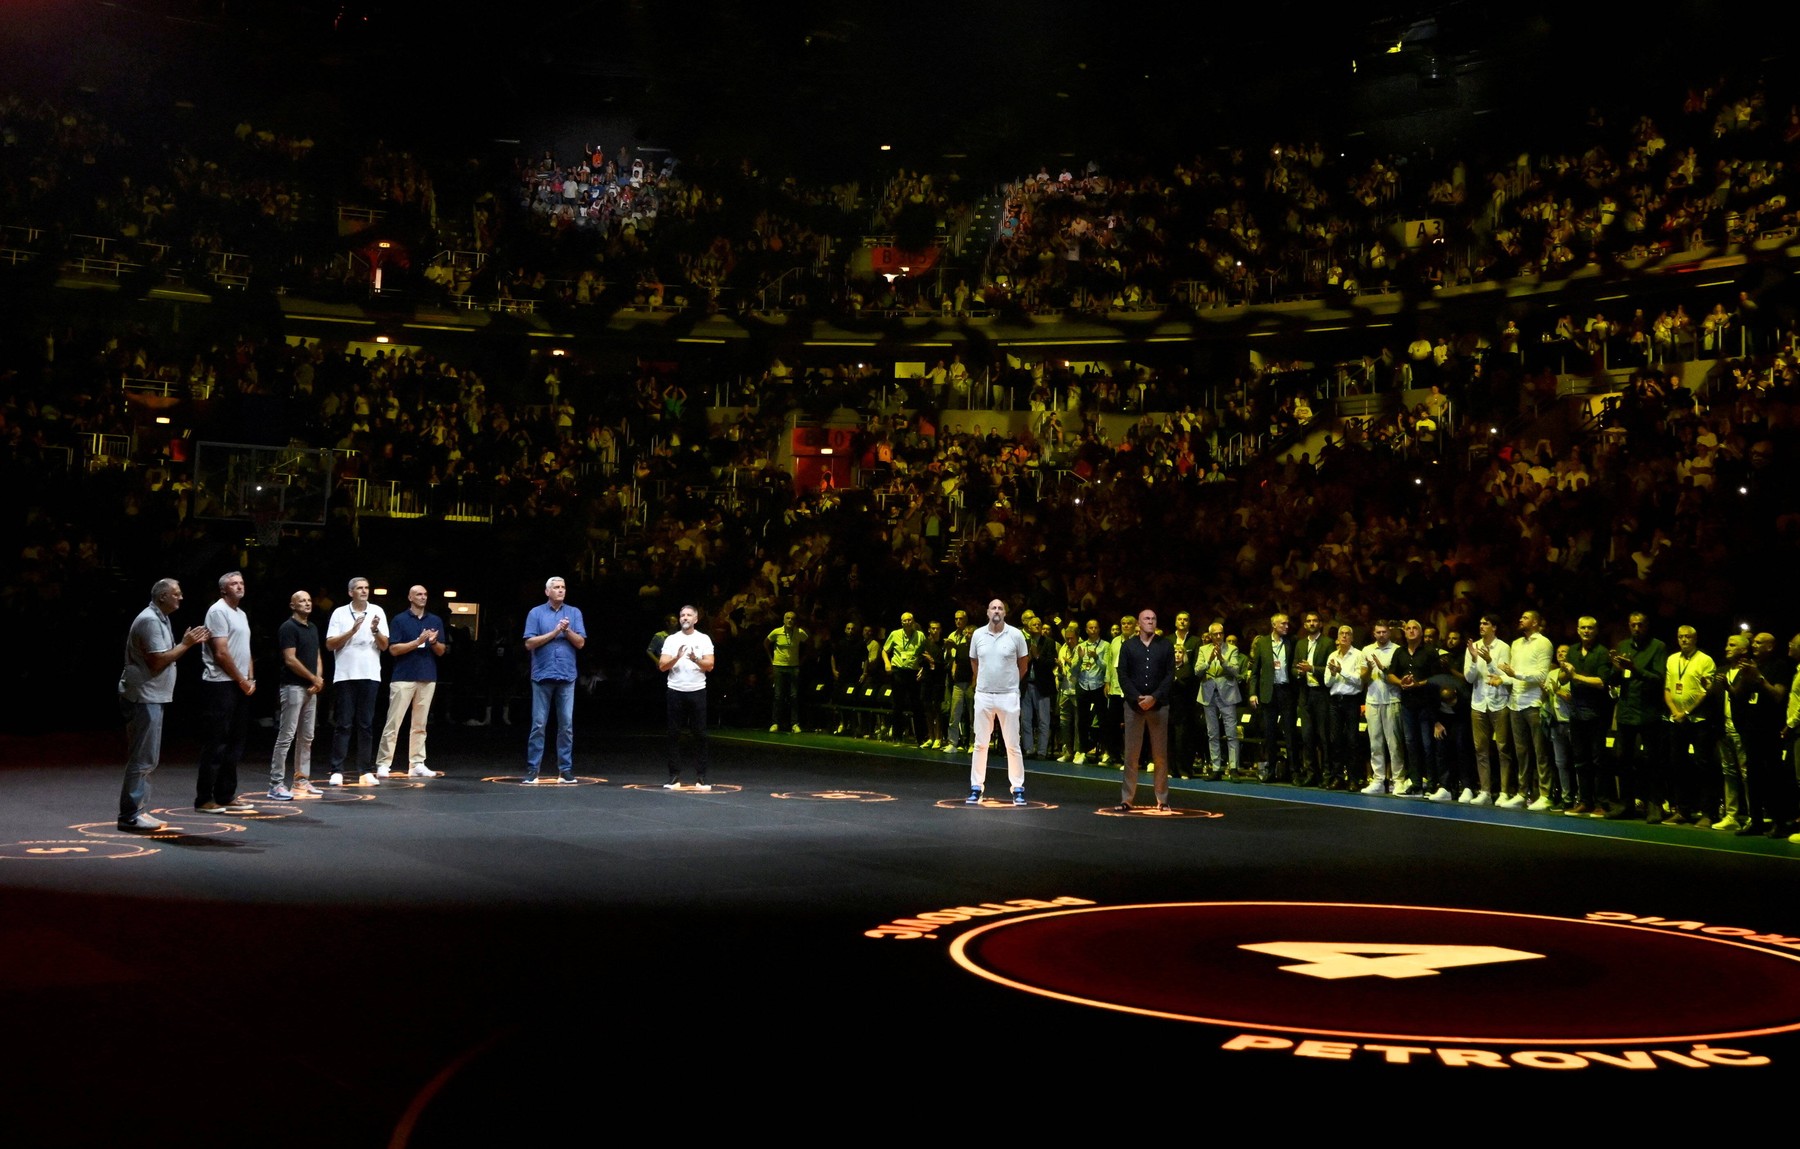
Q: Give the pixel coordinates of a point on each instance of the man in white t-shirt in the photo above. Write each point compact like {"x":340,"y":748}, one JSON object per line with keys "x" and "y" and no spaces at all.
{"x":356,"y":636}
{"x":687,"y":658}
{"x":998,"y":656}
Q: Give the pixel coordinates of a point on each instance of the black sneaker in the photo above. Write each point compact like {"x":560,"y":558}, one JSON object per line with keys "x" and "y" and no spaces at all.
{"x":568,"y":780}
{"x":1018,"y":795}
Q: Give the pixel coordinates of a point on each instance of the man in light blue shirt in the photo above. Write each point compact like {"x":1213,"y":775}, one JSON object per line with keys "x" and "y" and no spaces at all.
{"x":554,"y":632}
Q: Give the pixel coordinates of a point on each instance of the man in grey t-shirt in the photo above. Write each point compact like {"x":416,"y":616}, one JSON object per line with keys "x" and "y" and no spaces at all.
{"x":998,"y":656}
{"x":146,"y":685}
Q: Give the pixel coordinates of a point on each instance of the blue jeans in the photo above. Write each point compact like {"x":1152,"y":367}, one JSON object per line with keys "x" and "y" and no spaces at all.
{"x":543,"y":694}
{"x":143,"y":737}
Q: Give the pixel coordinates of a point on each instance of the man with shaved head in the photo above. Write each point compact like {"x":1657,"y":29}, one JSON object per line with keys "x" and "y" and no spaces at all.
{"x":416,"y":640}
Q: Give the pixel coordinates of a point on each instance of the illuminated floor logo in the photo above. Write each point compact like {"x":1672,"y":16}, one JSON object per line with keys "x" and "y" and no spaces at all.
{"x":991,"y":804}
{"x":835,"y":796}
{"x":1153,"y":812}
{"x":1406,"y":973}
{"x":189,"y":825}
{"x":543,"y":783}
{"x":84,"y":849}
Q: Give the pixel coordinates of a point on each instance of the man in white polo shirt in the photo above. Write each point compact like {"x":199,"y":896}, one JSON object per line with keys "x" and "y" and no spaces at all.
{"x":998,"y":655}
{"x":356,"y":635}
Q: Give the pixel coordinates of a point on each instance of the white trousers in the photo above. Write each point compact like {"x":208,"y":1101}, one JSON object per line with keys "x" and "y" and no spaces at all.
{"x":1003,"y":708}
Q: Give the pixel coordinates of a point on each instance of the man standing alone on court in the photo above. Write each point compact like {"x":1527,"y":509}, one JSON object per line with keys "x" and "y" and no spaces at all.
{"x":1146,"y":672}
{"x":998,"y":656}
{"x":554,"y":632}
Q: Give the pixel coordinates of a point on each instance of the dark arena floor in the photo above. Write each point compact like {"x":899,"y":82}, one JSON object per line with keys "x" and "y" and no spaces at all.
{"x":832,"y":940}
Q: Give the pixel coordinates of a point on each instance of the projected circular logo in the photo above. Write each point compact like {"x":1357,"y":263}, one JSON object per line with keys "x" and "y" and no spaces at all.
{"x":64,"y":850}
{"x":547,"y":782}
{"x":1157,"y":812}
{"x":1409,"y":973}
{"x":835,"y":796}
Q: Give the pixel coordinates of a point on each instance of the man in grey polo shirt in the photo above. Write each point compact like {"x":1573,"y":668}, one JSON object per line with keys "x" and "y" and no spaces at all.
{"x":146,"y":685}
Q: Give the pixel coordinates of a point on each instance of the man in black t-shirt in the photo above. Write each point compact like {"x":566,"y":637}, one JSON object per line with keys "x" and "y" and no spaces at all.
{"x":302,"y":678}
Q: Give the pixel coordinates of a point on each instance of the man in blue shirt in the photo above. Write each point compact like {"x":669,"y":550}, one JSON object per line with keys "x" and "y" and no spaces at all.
{"x":415,"y":639}
{"x":554,"y":633}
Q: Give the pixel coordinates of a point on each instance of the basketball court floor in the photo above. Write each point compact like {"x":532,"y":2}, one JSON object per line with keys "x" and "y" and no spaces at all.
{"x":833,"y":942}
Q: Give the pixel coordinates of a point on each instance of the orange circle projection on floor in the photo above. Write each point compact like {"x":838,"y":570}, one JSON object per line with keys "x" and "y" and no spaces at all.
{"x":543,"y":783}
{"x":835,"y":796}
{"x":1153,"y":812}
{"x":84,"y":849}
{"x":991,"y":804}
{"x":684,"y":788}
{"x":1406,"y":973}
{"x":173,"y":827}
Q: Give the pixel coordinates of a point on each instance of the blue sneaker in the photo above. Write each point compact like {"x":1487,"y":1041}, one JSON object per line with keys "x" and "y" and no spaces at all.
{"x":528,"y":780}
{"x":974,"y":798}
{"x":1018,"y":795}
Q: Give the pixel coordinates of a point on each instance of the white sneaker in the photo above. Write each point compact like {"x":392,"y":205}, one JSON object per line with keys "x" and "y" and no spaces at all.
{"x":1373,"y":787}
{"x":1466,"y":797}
{"x":1540,"y":803}
{"x":774,"y":727}
{"x":1405,"y":786}
{"x":1440,"y":795}
{"x":335,"y":780}
{"x":703,"y":785}
{"x":383,"y":771}
{"x":1510,"y":802}
{"x":368,"y":780}
{"x":1727,"y":823}
{"x":796,"y":728}
{"x":422,"y":771}
{"x":1080,"y":758}
{"x":1483,"y":799}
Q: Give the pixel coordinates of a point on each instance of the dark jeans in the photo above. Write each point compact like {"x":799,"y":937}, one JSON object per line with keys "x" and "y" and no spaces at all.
{"x":1587,"y":738}
{"x":1279,"y":735}
{"x":687,"y":708}
{"x":1087,"y":706}
{"x":1421,"y":748}
{"x":227,"y":717}
{"x":353,"y":707}
{"x":1315,"y":732}
{"x":1182,"y":727}
{"x":1346,"y":716}
{"x":786,"y":711}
